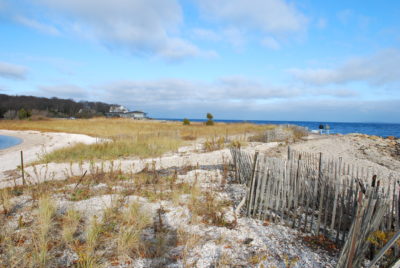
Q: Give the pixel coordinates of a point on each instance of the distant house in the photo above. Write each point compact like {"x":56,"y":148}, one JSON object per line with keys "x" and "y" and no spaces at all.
{"x":121,"y":111}
{"x":118,"y":109}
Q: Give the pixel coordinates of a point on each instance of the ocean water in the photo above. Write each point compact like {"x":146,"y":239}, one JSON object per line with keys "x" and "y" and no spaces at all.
{"x":378,"y":129}
{"x":7,"y":141}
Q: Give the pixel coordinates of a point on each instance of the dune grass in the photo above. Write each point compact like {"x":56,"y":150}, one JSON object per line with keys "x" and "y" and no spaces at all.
{"x":143,"y":148}
{"x":128,"y":137}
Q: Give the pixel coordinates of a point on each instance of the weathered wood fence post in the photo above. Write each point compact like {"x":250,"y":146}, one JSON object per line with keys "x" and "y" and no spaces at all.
{"x":22,"y":168}
{"x":251,"y":185}
{"x":356,"y":230}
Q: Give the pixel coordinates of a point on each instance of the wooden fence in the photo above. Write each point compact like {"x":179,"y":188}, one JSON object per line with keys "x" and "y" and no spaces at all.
{"x":343,"y":202}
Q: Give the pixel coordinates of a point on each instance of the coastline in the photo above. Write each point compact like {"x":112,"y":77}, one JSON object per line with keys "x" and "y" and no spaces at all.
{"x":34,"y":144}
{"x":344,"y":128}
{"x":14,"y":141}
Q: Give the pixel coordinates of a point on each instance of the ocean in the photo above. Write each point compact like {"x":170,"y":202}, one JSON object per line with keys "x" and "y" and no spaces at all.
{"x":7,"y":141}
{"x":378,"y":129}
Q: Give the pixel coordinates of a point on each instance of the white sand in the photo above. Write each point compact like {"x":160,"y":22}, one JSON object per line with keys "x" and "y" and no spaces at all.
{"x":34,"y":145}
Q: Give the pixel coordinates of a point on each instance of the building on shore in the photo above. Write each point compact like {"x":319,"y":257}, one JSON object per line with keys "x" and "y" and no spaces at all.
{"x":123,"y":112}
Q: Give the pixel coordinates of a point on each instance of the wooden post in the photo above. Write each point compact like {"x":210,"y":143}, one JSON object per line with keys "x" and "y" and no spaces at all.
{"x":288,"y":153}
{"x":22,"y":168}
{"x":355,"y":231}
{"x":251,"y":185}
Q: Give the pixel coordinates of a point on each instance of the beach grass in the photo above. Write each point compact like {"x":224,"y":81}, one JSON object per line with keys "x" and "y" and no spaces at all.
{"x":127,"y":137}
{"x":119,"y":148}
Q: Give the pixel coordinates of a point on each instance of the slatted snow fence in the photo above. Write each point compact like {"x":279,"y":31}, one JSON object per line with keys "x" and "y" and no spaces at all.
{"x":322,"y":196}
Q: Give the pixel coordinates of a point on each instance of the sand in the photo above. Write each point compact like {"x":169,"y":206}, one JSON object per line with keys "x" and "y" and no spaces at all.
{"x":34,"y":145}
{"x":370,"y":152}
{"x":274,"y":241}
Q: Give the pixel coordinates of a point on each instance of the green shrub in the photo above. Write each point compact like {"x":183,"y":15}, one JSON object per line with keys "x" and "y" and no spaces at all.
{"x":22,"y":114}
{"x":186,"y":122}
{"x":210,"y":121}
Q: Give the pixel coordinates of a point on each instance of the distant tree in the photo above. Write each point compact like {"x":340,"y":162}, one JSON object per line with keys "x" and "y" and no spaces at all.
{"x":23,"y":114}
{"x":210,"y":121}
{"x":321,"y":127}
{"x":54,"y":107}
{"x":10,"y":114}
{"x":186,"y":122}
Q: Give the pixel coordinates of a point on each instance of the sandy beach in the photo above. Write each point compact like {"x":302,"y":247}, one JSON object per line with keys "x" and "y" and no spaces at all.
{"x":34,"y":144}
{"x":249,"y":237}
{"x":374,"y":153}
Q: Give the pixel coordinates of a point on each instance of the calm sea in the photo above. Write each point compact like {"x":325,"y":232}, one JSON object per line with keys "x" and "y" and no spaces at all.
{"x":7,"y":141}
{"x":378,"y":129}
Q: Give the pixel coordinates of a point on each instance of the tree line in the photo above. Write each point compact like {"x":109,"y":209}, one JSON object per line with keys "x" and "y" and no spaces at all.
{"x":13,"y":107}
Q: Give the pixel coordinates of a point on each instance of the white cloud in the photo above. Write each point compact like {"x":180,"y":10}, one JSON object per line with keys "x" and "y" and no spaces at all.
{"x":271,"y":43}
{"x":206,"y":34}
{"x":379,"y":69}
{"x":48,"y":29}
{"x":12,"y":71}
{"x":63,"y":91}
{"x":145,"y":27}
{"x":235,"y":37}
{"x":167,"y":93}
{"x":270,"y":16}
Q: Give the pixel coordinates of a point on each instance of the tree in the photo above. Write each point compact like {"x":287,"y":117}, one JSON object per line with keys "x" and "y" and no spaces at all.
{"x":186,"y":122}
{"x":22,"y":114}
{"x":10,"y":114}
{"x":321,"y":128}
{"x":210,"y":121}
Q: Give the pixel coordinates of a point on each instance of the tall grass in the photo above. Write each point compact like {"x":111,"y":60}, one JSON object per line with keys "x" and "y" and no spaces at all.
{"x":135,"y":219}
{"x":87,"y":255}
{"x":70,"y":225}
{"x":143,"y":148}
{"x":115,"y":127}
{"x":46,"y":211}
{"x":129,"y":137}
{"x":5,"y":200}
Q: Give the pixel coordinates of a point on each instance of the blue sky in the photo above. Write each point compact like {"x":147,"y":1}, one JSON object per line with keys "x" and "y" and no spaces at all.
{"x":238,"y":59}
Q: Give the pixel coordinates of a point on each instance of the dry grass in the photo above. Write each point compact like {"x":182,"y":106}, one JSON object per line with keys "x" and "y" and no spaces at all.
{"x":41,"y":239}
{"x":70,"y":225}
{"x":124,"y":231}
{"x":210,"y":209}
{"x":131,"y":138}
{"x":134,"y":220}
{"x":134,"y":146}
{"x":113,"y":127}
{"x":5,"y":200}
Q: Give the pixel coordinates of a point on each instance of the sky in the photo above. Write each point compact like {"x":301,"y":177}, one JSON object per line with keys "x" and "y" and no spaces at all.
{"x":304,"y":60}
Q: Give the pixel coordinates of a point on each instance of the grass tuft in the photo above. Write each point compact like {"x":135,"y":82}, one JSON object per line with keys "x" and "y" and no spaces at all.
{"x":46,"y":212}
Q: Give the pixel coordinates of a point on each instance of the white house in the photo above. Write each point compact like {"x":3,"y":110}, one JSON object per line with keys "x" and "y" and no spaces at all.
{"x":121,"y":111}
{"x":118,"y":109}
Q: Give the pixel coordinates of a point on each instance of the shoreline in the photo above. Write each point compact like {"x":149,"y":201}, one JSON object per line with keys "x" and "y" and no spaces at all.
{"x":339,"y":128}
{"x":34,"y":144}
{"x":18,"y":141}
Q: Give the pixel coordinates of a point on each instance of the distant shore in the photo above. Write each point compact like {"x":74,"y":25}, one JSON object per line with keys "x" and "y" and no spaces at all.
{"x":377,"y":129}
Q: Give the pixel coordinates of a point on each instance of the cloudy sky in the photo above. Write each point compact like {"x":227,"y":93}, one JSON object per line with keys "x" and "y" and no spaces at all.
{"x":238,"y":59}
